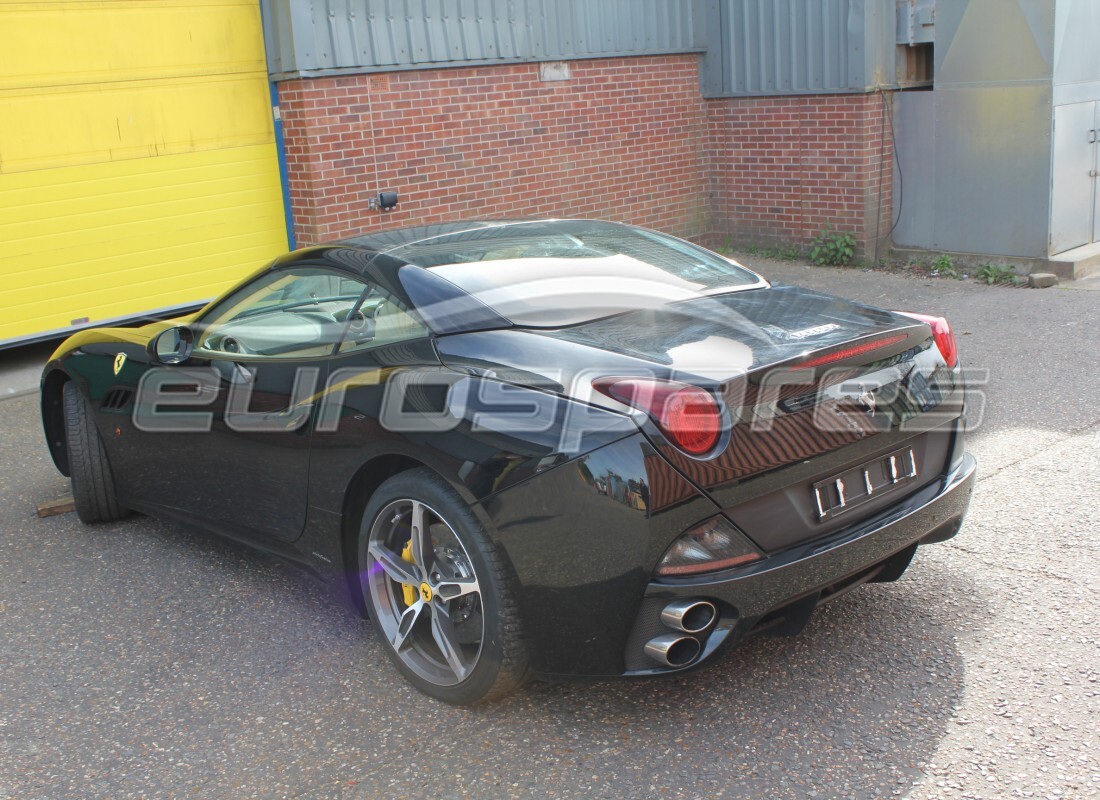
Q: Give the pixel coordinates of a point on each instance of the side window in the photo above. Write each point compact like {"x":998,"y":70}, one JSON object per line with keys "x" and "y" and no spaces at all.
{"x":304,"y":313}
{"x":380,"y":320}
{"x":299,"y":313}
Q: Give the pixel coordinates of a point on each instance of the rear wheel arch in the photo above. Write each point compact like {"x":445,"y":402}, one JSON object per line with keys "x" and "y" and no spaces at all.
{"x":360,"y":488}
{"x":372,"y":474}
{"x":466,"y":666}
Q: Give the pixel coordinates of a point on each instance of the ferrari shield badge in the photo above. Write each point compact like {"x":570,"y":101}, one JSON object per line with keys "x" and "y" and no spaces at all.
{"x":120,"y":361}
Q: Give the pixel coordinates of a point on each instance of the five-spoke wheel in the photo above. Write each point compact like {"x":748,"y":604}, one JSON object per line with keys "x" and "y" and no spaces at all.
{"x":438,"y":591}
{"x":414,"y":555}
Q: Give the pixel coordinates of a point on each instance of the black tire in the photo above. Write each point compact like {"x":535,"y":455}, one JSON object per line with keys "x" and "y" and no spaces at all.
{"x":90,"y":474}
{"x":464,"y":599}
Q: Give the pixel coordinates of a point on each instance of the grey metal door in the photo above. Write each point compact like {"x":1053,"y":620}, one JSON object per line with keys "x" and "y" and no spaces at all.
{"x":1095,"y":177}
{"x":1073,"y":199}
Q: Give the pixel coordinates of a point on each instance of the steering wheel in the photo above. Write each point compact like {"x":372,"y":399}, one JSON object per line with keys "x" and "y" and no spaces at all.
{"x":361,"y":325}
{"x":230,"y":344}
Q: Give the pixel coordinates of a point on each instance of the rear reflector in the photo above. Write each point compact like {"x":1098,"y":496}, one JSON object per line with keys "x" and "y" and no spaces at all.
{"x":942,"y":334}
{"x":711,"y":545}
{"x":687,"y":415}
{"x":852,"y":351}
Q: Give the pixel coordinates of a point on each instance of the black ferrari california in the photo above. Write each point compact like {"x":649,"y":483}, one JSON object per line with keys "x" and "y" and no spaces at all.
{"x":531,"y":448}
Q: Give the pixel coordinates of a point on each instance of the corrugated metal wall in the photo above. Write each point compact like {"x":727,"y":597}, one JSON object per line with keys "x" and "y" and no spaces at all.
{"x":308,"y":36}
{"x":774,"y":47}
{"x":975,"y":153}
{"x":1076,"y":56}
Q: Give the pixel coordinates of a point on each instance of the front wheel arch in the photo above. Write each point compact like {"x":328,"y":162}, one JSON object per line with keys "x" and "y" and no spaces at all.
{"x":53,"y":418}
{"x":92,"y":481}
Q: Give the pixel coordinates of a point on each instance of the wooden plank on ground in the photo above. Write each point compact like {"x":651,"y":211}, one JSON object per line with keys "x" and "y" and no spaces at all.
{"x":53,"y":507}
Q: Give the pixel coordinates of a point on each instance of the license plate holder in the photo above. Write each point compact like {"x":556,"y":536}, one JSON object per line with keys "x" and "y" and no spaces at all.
{"x":858,"y":485}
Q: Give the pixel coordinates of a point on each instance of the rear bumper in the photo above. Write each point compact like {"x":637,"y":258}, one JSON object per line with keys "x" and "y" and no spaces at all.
{"x":747,"y":595}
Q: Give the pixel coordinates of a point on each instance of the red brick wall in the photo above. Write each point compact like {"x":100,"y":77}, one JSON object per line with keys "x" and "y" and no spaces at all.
{"x":783,"y":168}
{"x":624,"y":139}
{"x":627,"y":139}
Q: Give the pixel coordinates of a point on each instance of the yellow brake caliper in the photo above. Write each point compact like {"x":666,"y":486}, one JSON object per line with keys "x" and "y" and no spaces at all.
{"x":408,"y":591}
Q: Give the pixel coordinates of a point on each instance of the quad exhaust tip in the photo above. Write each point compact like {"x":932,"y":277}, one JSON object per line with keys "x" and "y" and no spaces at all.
{"x":689,"y":616}
{"x":673,"y":650}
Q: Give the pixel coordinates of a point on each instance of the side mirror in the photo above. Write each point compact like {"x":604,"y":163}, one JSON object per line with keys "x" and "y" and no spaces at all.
{"x":172,"y":345}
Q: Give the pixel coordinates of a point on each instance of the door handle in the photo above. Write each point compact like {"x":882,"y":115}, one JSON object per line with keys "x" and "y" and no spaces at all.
{"x":291,"y":419}
{"x":287,"y":413}
{"x":1092,"y":136}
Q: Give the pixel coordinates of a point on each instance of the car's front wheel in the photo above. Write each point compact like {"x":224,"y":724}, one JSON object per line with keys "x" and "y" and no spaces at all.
{"x":89,"y":472}
{"x":439,"y":592}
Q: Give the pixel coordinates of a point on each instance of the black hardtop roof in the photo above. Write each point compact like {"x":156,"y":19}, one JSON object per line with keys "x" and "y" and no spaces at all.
{"x":378,"y":243}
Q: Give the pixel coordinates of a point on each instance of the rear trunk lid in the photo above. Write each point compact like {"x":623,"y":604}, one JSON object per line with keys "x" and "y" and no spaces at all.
{"x":815,"y":388}
{"x":836,"y":410}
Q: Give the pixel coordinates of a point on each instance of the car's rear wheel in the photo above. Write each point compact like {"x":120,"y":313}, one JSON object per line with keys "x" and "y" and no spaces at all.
{"x":439,"y":592}
{"x":89,"y":472}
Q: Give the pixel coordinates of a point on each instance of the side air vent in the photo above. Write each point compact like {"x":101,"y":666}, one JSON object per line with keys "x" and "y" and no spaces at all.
{"x":117,"y":399}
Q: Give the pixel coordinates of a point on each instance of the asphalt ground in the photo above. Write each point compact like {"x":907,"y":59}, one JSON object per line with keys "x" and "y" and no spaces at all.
{"x":143,"y":659}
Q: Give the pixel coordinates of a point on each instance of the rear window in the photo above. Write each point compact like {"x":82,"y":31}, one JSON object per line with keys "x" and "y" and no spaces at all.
{"x":562,"y":272}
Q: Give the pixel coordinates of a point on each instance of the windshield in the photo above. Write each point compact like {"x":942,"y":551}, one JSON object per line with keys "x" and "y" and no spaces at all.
{"x":562,"y":272}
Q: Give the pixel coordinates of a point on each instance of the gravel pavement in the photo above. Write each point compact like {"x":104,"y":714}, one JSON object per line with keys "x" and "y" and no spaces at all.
{"x":146,"y":660}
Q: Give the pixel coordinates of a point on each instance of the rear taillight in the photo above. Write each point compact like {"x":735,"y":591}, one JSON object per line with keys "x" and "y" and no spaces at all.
{"x":941,"y":333}
{"x":687,"y":415}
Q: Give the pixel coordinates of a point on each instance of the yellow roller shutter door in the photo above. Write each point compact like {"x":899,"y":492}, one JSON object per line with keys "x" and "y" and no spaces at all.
{"x":138,"y":169}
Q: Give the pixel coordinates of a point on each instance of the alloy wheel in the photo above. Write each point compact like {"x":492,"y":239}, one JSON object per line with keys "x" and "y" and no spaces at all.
{"x":425,"y":592}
